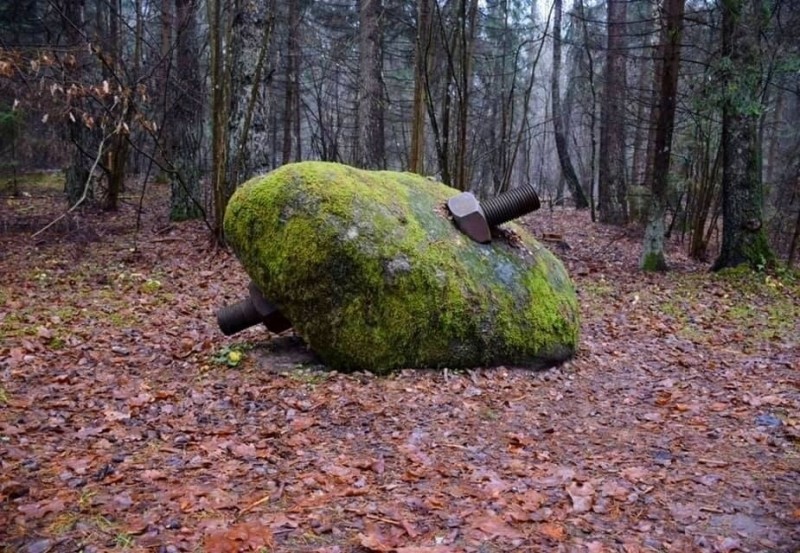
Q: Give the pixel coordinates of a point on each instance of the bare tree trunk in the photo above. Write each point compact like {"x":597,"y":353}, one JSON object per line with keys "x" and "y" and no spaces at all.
{"x":417,"y":154}
{"x":219,"y":115}
{"x":743,"y":238}
{"x":248,"y":132}
{"x":292,"y":81}
{"x":467,"y":34}
{"x":163,"y":71}
{"x":83,"y":139}
{"x":187,"y":118}
{"x":567,"y":169}
{"x":653,"y":258}
{"x":647,"y":111}
{"x":592,"y":109}
{"x":612,"y":188}
{"x":795,"y":241}
{"x":117,"y":154}
{"x":370,"y":142}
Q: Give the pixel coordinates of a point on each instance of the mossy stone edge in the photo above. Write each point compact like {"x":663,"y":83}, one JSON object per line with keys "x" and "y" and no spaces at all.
{"x":374,"y":276}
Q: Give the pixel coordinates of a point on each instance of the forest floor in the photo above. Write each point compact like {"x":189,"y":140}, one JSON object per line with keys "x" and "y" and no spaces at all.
{"x":128,"y":422}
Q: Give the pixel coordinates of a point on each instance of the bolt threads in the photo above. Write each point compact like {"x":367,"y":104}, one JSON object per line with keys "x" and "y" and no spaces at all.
{"x":510,"y":205}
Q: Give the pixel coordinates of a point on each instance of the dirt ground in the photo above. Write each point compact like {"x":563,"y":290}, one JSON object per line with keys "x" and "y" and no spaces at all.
{"x":128,"y":422}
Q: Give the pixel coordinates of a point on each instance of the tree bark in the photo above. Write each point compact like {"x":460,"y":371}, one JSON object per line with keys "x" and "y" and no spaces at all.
{"x":592,"y":108}
{"x":653,"y":258}
{"x":612,"y":187}
{"x":117,"y":154}
{"x":743,"y":238}
{"x":468,"y":12}
{"x":292,"y":82}
{"x":84,"y":140}
{"x":219,"y":114}
{"x":417,"y":154}
{"x":370,"y":150}
{"x":564,"y":159}
{"x":187,"y":118}
{"x":248,"y":132}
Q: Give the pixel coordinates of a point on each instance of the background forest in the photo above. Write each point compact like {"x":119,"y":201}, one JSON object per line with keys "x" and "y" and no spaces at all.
{"x":686,"y":110}
{"x":128,"y":422}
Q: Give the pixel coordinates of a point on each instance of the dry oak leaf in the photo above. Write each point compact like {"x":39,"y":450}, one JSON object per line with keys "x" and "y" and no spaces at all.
{"x":426,"y":549}
{"x":634,"y":474}
{"x":375,"y":542}
{"x":243,"y":451}
{"x":495,"y":527}
{"x":553,"y":531}
{"x":582,"y":496}
{"x":614,"y":490}
{"x":302,"y":423}
{"x":152,"y":475}
{"x":42,"y":508}
{"x":247,"y":536}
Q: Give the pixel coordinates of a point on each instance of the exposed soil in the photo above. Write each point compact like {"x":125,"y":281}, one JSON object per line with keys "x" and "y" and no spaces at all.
{"x":127,"y":421}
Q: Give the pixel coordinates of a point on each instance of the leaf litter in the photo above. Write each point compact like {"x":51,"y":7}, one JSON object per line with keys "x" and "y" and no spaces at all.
{"x":124,"y":424}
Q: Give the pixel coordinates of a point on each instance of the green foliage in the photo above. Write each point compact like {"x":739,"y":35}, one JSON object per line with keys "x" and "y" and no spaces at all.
{"x":37,"y":182}
{"x":123,"y":540}
{"x":10,"y":126}
{"x":151,"y":286}
{"x":230,"y":356}
{"x":10,"y":129}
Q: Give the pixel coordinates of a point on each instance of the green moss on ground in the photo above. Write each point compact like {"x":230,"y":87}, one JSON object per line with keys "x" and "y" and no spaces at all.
{"x":654,"y":262}
{"x":33,"y":183}
{"x":374,"y":276}
{"x":760,"y":306}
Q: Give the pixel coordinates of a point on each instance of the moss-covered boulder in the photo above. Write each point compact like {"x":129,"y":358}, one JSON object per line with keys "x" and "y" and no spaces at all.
{"x":374,"y":275}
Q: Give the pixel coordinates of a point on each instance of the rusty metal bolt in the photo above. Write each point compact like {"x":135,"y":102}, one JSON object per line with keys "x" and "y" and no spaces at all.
{"x":476,"y":219}
{"x":249,"y":312}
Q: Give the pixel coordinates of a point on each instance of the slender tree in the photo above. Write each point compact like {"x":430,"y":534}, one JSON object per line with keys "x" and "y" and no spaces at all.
{"x":421,"y":53}
{"x":564,"y":159}
{"x":653,"y":258}
{"x":291,"y":113}
{"x":612,"y":188}
{"x":370,"y":143}
{"x":186,"y":118}
{"x":220,"y":109}
{"x":76,"y":71}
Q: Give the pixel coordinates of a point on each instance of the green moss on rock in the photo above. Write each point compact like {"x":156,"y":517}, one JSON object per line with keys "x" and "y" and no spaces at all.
{"x":374,"y":275}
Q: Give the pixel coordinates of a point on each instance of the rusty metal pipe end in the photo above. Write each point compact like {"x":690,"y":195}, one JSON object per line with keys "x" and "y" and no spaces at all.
{"x":237,"y":317}
{"x":249,"y":312}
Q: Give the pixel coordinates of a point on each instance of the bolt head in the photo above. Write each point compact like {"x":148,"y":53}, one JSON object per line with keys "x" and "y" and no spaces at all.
{"x":469,"y":218}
